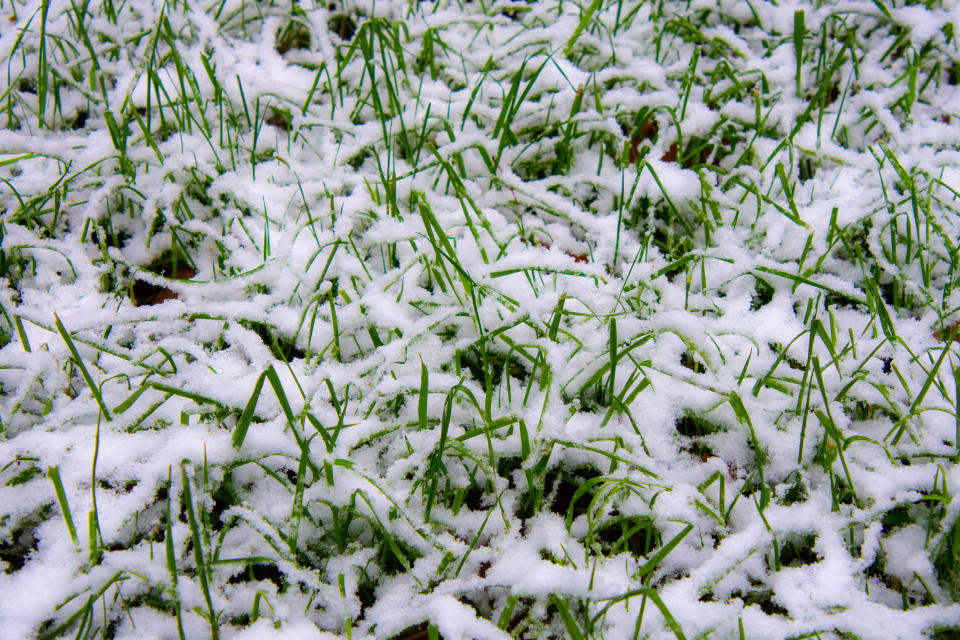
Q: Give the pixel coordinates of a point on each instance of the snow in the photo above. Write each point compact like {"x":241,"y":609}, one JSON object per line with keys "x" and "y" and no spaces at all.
{"x":360,"y":272}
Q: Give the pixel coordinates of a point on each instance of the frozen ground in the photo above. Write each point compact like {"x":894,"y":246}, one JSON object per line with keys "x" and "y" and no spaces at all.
{"x":479,"y":320}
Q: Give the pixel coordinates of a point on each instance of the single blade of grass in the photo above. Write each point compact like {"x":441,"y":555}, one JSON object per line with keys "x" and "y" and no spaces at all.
{"x":54,"y":474}
{"x":131,"y":399}
{"x":611,"y":388}
{"x":18,"y":323}
{"x":240,"y":431}
{"x":799,"y":34}
{"x":435,"y":463}
{"x":476,"y":538}
{"x":94,"y":390}
{"x":424,"y":392}
{"x":736,"y":403}
{"x":94,"y":552}
{"x":573,"y":629}
{"x":802,"y":280}
{"x":203,"y":574}
{"x":663,"y":552}
{"x":274,"y":379}
{"x":585,"y":18}
{"x":189,"y":395}
{"x":171,"y":558}
{"x":525,"y":440}
{"x":556,"y":318}
{"x":794,"y":214}
{"x":43,"y":68}
{"x":507,"y":614}
{"x":476,"y":89}
{"x":956,"y":406}
{"x":830,"y":426}
{"x":876,"y":304}
{"x":297,"y":512}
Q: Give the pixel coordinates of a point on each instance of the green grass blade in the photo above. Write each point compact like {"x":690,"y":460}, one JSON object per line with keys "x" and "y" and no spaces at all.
{"x":274,"y":379}
{"x":573,"y":629}
{"x":94,"y":390}
{"x":198,"y":554}
{"x":476,"y":538}
{"x":171,"y":558}
{"x":611,"y":387}
{"x":667,"y":616}
{"x":585,"y":18}
{"x":663,"y":552}
{"x":43,"y":67}
{"x":799,"y":34}
{"x":18,"y":323}
{"x":58,"y":630}
{"x":927,"y":383}
{"x":189,"y":395}
{"x":95,"y":553}
{"x":54,"y":474}
{"x":240,"y":432}
{"x":422,"y":399}
{"x":435,"y":464}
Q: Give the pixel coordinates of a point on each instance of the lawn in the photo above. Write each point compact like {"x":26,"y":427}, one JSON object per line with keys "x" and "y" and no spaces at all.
{"x":479,"y":319}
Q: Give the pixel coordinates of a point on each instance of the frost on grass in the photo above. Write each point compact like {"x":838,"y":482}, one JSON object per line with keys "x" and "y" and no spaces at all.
{"x":479,"y":320}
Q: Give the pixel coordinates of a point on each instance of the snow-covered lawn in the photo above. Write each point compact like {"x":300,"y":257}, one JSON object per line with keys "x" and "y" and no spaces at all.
{"x":479,"y":320}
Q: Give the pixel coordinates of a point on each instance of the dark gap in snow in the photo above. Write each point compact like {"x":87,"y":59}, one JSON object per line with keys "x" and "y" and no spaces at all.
{"x":171,"y":264}
{"x":342,"y":25}
{"x":225,"y":496}
{"x":260,"y":572}
{"x":416,"y":632}
{"x":15,"y":548}
{"x":279,"y":118}
{"x":688,"y":360}
{"x":636,"y":535}
{"x":797,"y":550}
{"x":27,"y":85}
{"x":797,"y":492}
{"x":79,"y":120}
{"x":563,"y":484}
{"x":282,"y":348}
{"x":694,"y":426}
{"x":761,"y":595}
{"x":294,"y":34}
{"x":506,"y":466}
{"x":763,"y":294}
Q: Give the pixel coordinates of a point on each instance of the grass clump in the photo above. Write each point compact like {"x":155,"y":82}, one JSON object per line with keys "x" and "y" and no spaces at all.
{"x":457,"y":319}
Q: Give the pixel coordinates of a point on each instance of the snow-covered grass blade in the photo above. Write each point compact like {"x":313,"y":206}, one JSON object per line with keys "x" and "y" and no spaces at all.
{"x":461,"y":319}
